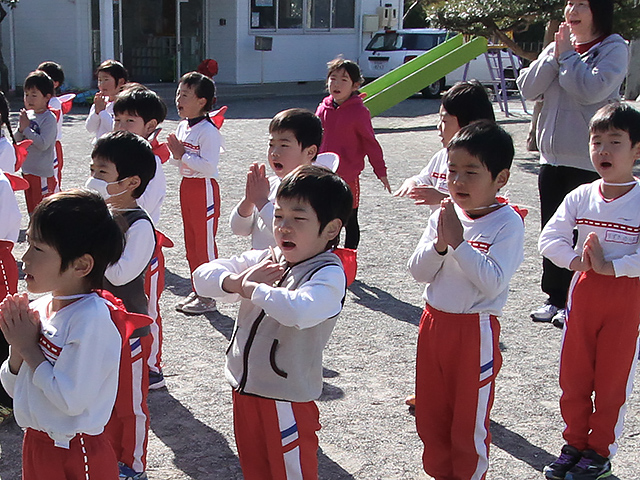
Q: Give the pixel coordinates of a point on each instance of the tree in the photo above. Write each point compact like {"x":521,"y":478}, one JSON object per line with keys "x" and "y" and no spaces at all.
{"x":496,"y":18}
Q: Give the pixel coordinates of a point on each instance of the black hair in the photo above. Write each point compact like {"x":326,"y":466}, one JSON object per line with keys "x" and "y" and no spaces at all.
{"x":352,"y":69}
{"x":78,"y":222}
{"x":305,"y":125}
{"x":327,"y":193}
{"x":488,"y":142}
{"x":468,"y":101}
{"x":39,"y":80}
{"x":140,"y":102}
{"x":4,"y":115}
{"x":618,"y":116}
{"x":203,"y":87}
{"x":115,"y":69}
{"x":54,"y":70}
{"x":130,"y":153}
{"x":602,"y":12}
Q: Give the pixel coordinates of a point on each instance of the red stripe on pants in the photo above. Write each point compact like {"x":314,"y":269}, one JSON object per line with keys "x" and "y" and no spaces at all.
{"x":42,"y":460}
{"x":199,"y":238}
{"x":598,"y":356}
{"x":259,"y":441}
{"x":454,"y":395}
{"x":58,"y":169}
{"x":8,"y":270}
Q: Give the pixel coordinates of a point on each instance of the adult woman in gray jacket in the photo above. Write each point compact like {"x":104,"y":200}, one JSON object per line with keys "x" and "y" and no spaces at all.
{"x":578,"y":73}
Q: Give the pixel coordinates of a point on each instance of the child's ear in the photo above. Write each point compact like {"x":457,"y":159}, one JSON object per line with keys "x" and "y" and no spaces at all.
{"x":132,"y":182}
{"x":150,"y":126}
{"x":311,"y":152}
{"x":332,"y":229}
{"x":120,"y":83}
{"x":82,"y":266}
{"x":202,"y":102}
{"x":502,"y":178}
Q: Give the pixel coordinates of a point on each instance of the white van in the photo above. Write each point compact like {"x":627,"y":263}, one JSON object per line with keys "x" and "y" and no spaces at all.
{"x":388,"y":49}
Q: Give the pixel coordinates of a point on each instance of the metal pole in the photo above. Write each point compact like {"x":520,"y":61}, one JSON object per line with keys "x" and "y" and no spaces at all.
{"x":178,"y":42}
{"x":12,"y":50}
{"x":120,"y":33}
{"x":106,"y":30}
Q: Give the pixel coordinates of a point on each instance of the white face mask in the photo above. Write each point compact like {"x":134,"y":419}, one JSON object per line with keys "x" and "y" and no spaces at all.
{"x":100,"y":186}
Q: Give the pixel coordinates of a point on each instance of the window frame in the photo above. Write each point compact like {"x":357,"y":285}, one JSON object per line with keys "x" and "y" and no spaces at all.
{"x":306,"y":19}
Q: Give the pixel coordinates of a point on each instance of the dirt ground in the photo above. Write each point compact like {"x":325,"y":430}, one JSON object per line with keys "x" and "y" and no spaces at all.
{"x":369,"y":363}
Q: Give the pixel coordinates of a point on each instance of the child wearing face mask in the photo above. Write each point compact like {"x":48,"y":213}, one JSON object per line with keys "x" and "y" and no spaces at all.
{"x":122,"y":164}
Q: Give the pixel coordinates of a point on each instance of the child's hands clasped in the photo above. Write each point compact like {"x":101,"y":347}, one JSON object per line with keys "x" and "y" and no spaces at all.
{"x":258,"y":188}
{"x":99,"y":102}
{"x":593,"y":251}
{"x":450,"y":230}
{"x":175,"y":146}
{"x":267,"y":271}
{"x":21,"y":328}
{"x":23,"y":121}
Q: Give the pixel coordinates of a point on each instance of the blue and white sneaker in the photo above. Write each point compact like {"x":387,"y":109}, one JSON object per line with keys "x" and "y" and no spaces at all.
{"x":127,"y":473}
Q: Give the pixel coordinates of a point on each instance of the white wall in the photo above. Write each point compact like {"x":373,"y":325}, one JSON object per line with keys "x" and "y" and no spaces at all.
{"x":222,"y":39}
{"x":297,"y":56}
{"x":59,"y":31}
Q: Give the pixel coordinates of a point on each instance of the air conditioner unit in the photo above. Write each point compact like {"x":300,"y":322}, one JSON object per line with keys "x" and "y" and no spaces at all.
{"x":388,"y":16}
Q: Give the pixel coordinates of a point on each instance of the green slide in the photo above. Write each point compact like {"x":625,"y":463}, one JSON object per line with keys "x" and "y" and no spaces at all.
{"x":402,"y":82}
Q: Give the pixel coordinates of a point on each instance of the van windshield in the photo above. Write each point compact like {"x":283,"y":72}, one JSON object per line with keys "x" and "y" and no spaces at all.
{"x":404,"y":41}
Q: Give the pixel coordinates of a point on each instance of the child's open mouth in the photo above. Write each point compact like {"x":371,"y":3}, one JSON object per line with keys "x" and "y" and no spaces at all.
{"x":277,"y":166}
{"x":605,"y":164}
{"x":287,"y":245}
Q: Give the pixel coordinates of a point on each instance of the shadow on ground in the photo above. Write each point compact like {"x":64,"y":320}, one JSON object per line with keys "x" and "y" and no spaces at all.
{"x":378,"y":300}
{"x":200,"y":451}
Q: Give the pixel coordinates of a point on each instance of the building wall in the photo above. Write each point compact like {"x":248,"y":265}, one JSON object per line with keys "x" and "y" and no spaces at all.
{"x":298,"y":56}
{"x":58,"y":31}
{"x":222,"y":37}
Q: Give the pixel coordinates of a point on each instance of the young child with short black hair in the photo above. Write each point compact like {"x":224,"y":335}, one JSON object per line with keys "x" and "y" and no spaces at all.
{"x":467,"y":255}
{"x":195,"y":148}
{"x":122,"y":164}
{"x":463,"y":103}
{"x":291,"y":296}
{"x":295,"y":136}
{"x":59,"y":106}
{"x":348,"y":132}
{"x":38,"y":124}
{"x":112,"y":77}
{"x":140,"y":110}
{"x":600,"y":342}
{"x":65,"y":348}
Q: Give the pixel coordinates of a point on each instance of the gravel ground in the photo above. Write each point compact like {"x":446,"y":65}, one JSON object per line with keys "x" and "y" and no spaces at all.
{"x":369,"y":362}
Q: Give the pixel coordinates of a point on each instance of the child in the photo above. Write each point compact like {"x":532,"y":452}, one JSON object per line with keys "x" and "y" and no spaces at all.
{"x":281,"y":330}
{"x":599,"y":347}
{"x":54,"y":70}
{"x":9,"y":229}
{"x":349,"y":133}
{"x":463,"y":103}
{"x":122,"y":164}
{"x":140,"y":111}
{"x":38,"y":124}
{"x":295,"y":136}
{"x":196,"y":148}
{"x":111,"y":76}
{"x":63,"y":368}
{"x":472,"y":246}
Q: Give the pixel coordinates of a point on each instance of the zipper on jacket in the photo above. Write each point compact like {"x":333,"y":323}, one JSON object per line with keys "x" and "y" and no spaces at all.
{"x":251,"y":338}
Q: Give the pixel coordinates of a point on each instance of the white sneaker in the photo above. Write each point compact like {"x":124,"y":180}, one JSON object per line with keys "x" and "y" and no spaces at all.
{"x":559,"y":318}
{"x":545,"y":313}
{"x":199,"y":306}
{"x":186,"y":300}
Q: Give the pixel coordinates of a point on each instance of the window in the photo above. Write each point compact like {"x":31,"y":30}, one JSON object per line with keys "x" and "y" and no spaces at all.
{"x":302,"y":14}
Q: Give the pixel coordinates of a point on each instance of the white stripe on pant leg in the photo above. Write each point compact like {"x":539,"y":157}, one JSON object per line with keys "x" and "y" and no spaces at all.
{"x":613,"y":448}
{"x":211,"y":205}
{"x":154,"y":329}
{"x":140,"y":417}
{"x":289,"y":433}
{"x":484,"y":395}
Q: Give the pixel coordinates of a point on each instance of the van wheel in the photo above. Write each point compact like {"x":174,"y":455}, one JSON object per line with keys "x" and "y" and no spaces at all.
{"x":434,"y":90}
